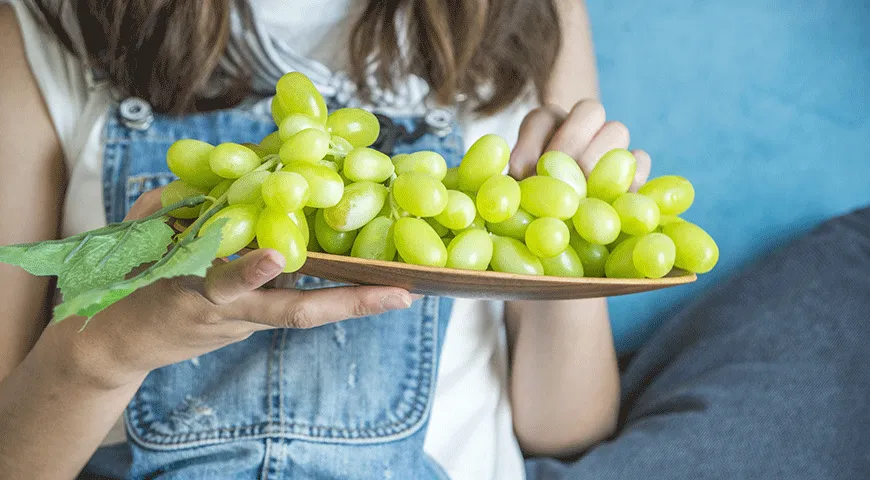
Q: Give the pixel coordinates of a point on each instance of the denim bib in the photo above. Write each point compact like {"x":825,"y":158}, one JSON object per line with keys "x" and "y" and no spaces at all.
{"x":349,"y":400}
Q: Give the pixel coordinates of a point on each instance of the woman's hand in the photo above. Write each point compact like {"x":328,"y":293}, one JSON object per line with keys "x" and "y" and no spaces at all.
{"x":181,"y":318}
{"x":584,"y":134}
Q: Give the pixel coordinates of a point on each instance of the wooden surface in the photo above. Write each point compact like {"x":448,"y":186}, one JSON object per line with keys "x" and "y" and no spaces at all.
{"x":473,"y":284}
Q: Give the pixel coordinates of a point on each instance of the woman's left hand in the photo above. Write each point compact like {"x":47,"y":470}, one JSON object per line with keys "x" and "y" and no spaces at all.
{"x":584,"y":134}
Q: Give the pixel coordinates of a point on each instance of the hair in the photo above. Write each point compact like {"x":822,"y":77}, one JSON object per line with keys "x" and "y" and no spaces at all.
{"x":167,"y":51}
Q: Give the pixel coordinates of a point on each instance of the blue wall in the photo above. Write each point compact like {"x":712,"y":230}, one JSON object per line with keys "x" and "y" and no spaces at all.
{"x":763,"y":104}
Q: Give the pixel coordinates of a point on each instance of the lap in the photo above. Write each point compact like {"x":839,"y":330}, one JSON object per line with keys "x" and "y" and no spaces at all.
{"x":765,"y":377}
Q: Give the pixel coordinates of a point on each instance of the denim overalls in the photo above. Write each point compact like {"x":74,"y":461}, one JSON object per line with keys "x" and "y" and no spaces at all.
{"x":349,"y":400}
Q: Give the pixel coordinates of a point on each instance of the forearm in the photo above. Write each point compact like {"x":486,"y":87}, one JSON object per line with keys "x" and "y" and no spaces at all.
{"x":52,"y":416}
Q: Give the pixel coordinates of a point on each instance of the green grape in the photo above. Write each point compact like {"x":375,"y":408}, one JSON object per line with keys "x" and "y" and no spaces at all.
{"x":296,"y":94}
{"x":612,"y":175}
{"x":247,"y":189}
{"x":397,"y":157}
{"x":177,"y":191}
{"x":547,"y":237}
{"x":430,"y":163}
{"x":596,"y":221}
{"x":367,"y":165}
{"x":548,"y":197}
{"x":285,"y":191}
{"x":488,"y":156}
{"x":654,"y":255}
{"x":238,"y":231}
{"x":514,"y":227}
{"x":330,"y":165}
{"x":478,"y":224}
{"x":620,"y":262}
{"x":592,"y":256}
{"x":470,"y":250}
{"x":459,"y":212}
{"x":309,"y":145}
{"x":561,"y":166}
{"x":451,"y":178}
{"x":419,"y":194}
{"x":359,"y":127}
{"x":697,"y":252}
{"x":330,"y":240}
{"x":565,"y":264}
{"x":311,"y":219}
{"x":189,"y":160}
{"x":418,"y":244}
{"x":277,"y":231}
{"x":340,"y":149}
{"x":510,"y":255}
{"x":301,"y":222}
{"x":674,"y":195}
{"x":215,"y":193}
{"x":231,"y":160}
{"x":295,"y":123}
{"x":498,"y":199}
{"x":271,"y":143}
{"x":359,"y":204}
{"x":638,"y":214}
{"x":256,"y":149}
{"x":669,"y":219}
{"x":324,"y":185}
{"x":375,"y":241}
{"x":619,"y":239}
{"x":441,"y":230}
{"x":278,"y":112}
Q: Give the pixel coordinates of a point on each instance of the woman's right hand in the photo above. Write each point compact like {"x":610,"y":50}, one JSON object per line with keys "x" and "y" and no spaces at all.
{"x":181,"y":318}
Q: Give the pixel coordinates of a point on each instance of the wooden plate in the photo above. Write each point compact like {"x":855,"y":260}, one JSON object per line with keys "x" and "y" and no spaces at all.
{"x":449,"y":282}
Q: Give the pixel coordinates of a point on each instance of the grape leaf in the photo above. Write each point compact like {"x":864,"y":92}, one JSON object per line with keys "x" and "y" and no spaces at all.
{"x":191,"y":256}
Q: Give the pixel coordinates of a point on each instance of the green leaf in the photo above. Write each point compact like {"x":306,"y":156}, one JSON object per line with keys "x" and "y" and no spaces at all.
{"x":192,"y":256}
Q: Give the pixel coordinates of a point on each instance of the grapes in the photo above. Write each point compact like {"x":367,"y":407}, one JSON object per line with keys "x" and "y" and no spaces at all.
{"x":285,"y":191}
{"x":231,"y":160}
{"x":637,"y":214}
{"x":459,"y":212}
{"x":418,"y":244}
{"x":547,"y":237}
{"x":548,"y":197}
{"x":470,"y":250}
{"x":375,"y":241}
{"x":674,"y":195}
{"x":359,"y":127}
{"x":487,"y":156}
{"x":420,"y":194}
{"x":654,"y":255}
{"x":189,"y":160}
{"x":359,"y":204}
{"x":696,"y":250}
{"x":596,"y":221}
{"x":309,"y":145}
{"x":498,"y":198}
{"x":238,"y":231}
{"x":315,"y":185}
{"x":177,"y":191}
{"x":277,"y":231}
{"x":612,"y":175}
{"x":296,"y":94}
{"x":560,"y":166}
{"x":430,"y":163}
{"x":367,"y":165}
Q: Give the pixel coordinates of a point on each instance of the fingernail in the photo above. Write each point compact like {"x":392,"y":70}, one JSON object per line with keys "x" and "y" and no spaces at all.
{"x":267,"y":267}
{"x":395,"y":302}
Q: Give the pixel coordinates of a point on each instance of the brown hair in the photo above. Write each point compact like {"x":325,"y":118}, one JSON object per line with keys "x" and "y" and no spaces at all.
{"x":166,"y":51}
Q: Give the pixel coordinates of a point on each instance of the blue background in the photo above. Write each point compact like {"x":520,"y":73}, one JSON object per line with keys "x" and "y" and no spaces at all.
{"x":763,"y":104}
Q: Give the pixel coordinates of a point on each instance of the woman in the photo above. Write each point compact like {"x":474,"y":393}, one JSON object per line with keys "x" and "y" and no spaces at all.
{"x":356,"y":399}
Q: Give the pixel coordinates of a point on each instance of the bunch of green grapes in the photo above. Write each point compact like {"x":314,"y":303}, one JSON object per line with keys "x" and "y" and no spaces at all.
{"x":316,"y":185}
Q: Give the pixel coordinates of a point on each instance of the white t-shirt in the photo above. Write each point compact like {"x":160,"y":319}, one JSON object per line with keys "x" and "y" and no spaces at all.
{"x":470,"y":432}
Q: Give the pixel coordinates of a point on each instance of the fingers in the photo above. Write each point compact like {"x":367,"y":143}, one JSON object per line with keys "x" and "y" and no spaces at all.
{"x":644,"y":165}
{"x":226,"y":282}
{"x":611,"y":135}
{"x":146,"y":204}
{"x":313,"y":308}
{"x":535,"y":133}
{"x":578,"y":130}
